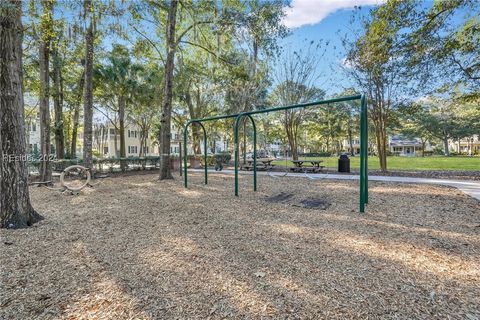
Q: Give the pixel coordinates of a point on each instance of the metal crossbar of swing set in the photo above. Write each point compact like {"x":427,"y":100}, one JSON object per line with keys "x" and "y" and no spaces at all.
{"x":240,"y":116}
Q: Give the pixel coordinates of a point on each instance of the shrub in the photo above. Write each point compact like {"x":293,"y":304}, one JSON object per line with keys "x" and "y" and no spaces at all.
{"x":223,"y":157}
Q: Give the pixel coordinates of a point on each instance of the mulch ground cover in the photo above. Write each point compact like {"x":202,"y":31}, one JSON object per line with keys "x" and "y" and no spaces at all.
{"x":137,"y":248}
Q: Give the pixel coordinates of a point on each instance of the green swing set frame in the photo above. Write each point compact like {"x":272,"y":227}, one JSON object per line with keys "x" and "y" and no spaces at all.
{"x":363,"y":141}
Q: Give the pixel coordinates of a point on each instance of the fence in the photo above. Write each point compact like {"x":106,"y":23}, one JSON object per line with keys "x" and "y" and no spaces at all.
{"x":108,"y":165}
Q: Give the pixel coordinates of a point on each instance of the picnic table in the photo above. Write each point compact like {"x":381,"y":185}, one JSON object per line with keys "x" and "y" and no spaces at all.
{"x":266,"y":161}
{"x":315,"y":167}
{"x":262,"y":164}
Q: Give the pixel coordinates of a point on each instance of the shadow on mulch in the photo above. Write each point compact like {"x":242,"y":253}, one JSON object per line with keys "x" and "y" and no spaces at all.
{"x":309,"y":203}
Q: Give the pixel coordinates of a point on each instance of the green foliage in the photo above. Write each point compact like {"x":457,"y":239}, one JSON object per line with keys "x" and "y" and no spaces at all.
{"x":224,"y":54}
{"x":447,"y":49}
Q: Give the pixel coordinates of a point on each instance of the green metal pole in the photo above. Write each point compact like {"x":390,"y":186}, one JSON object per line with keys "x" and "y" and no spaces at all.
{"x":363,"y":171}
{"x":244,"y":141}
{"x":362,"y":154}
{"x":366,"y":150}
{"x":235,"y":140}
{"x":185,"y":134}
{"x":205,"y":151}
{"x":254,"y":153}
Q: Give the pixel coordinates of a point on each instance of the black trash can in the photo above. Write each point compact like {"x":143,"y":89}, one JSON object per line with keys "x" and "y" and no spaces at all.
{"x":343,"y":163}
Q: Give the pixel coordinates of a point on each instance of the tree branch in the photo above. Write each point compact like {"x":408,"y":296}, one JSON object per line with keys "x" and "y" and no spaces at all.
{"x":206,"y":49}
{"x":149,"y":41}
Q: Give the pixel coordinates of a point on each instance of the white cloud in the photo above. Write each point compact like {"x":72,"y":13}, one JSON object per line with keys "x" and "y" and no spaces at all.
{"x":305,"y":12}
{"x":346,"y":63}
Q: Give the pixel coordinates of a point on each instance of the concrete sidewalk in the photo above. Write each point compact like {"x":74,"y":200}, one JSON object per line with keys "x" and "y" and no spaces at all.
{"x":469,"y":187}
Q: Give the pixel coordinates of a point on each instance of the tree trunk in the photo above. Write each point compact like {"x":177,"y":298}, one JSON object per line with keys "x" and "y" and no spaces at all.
{"x":292,"y":143}
{"x":27,"y":137}
{"x":166,"y":116}
{"x":58,"y":105}
{"x":76,"y":117}
{"x":44,"y":108}
{"x":88,"y":92}
{"x":381,"y":137}
{"x":445,"y":147}
{"x":195,"y":127}
{"x":115,"y":142}
{"x":16,"y":210}
{"x":379,"y":118}
{"x":76,"y":123}
{"x":350,"y":137}
{"x":197,"y":149}
{"x":121,"y":121}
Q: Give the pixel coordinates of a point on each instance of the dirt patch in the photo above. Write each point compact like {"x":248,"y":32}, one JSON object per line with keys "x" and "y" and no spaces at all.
{"x":282,"y":197}
{"x":134,"y":247}
{"x":313,"y":203}
{"x":291,"y":199}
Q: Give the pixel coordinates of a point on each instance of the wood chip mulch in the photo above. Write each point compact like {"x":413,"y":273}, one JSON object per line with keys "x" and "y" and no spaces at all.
{"x":138,"y":248}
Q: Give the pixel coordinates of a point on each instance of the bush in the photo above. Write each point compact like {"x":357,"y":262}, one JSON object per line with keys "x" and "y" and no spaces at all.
{"x":223,"y":157}
{"x":215,"y":159}
{"x":438,"y":151}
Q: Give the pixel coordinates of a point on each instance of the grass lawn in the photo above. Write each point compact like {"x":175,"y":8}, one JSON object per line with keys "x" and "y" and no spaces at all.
{"x":407,"y":163}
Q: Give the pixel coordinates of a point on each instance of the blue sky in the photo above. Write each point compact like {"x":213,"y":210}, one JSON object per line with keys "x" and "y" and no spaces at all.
{"x":327,"y":21}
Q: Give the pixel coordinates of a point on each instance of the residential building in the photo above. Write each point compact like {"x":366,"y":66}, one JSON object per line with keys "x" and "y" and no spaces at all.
{"x":403,"y":146}
{"x":32,"y":133}
{"x":106,"y":142}
{"x":469,"y":146}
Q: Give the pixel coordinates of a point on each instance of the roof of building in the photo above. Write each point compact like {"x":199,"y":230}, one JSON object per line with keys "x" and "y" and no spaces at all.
{"x":399,"y":141}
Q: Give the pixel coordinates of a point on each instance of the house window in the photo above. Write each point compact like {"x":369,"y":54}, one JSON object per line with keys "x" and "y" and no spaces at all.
{"x":34,"y":126}
{"x":135,"y":133}
{"x":105,"y":150}
{"x":112,"y":131}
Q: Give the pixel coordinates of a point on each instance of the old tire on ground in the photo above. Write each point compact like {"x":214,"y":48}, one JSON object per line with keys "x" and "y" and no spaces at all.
{"x":62,"y":178}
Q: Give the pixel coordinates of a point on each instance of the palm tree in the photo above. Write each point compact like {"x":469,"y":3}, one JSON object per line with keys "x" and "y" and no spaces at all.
{"x":118,"y":79}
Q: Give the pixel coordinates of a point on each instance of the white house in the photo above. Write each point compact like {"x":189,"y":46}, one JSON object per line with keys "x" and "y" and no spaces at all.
{"x":469,"y":145}
{"x":405,"y":147}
